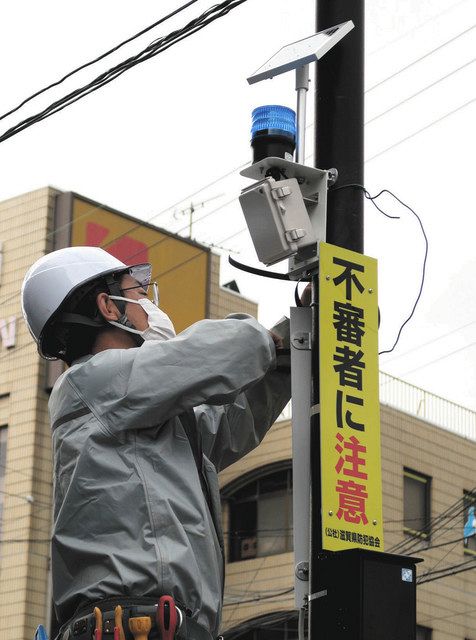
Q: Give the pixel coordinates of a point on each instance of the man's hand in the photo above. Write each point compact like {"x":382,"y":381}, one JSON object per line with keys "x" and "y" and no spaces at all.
{"x":278,"y":341}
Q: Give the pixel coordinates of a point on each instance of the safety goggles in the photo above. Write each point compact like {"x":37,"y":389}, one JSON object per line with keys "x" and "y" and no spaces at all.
{"x":151,"y":290}
{"x":142,"y":274}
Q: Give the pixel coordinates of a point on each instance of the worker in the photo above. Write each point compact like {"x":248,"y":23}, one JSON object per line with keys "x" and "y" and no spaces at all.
{"x":142,"y":422}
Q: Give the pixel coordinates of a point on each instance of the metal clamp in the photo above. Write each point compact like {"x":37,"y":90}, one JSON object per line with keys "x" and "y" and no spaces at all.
{"x":301,"y":340}
{"x":332,"y":175}
{"x":302,"y":571}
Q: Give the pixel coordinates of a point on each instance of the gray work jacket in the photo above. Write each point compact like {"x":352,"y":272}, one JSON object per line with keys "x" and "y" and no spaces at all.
{"x":130,"y":515}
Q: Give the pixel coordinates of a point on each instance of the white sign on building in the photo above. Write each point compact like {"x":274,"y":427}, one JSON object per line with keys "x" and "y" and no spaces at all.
{"x":8,"y":331}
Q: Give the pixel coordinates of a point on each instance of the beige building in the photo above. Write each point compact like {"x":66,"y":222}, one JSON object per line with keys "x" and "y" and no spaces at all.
{"x":428,"y":470}
{"x":428,"y":447}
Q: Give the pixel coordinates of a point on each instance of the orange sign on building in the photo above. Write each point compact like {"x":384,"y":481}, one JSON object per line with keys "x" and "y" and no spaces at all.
{"x":179,"y":266}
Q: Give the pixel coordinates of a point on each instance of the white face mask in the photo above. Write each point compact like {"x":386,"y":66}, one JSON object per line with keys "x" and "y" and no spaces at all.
{"x":160,"y":325}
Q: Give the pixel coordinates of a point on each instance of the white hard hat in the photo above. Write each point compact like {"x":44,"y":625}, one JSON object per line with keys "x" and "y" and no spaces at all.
{"x":52,"y":279}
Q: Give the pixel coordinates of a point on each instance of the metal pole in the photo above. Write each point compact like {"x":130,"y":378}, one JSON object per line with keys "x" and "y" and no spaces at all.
{"x":340,"y":145}
{"x":302,"y":87}
{"x":340,"y":121}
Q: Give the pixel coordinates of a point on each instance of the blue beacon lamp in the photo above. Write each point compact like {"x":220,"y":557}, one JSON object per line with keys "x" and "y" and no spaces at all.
{"x":273,"y":132}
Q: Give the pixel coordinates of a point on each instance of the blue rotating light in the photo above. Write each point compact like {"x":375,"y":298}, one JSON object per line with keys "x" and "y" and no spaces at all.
{"x":273,"y":132}
{"x":273,"y":118}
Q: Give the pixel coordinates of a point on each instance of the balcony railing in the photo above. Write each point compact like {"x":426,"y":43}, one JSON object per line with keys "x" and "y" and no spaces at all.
{"x":420,"y":403}
{"x":427,"y":406}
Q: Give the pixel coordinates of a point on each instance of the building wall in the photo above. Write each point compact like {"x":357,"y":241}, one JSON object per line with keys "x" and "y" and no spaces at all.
{"x":224,"y":301}
{"x":26,"y":222}
{"x":448,"y":605}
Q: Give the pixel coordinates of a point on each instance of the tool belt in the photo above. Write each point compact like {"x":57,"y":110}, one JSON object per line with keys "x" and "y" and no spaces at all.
{"x":82,"y":626}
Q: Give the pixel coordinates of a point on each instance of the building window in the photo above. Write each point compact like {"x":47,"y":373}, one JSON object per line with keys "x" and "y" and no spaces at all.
{"x":423,"y":633}
{"x":3,"y":458}
{"x":469,"y":521}
{"x":416,"y":503}
{"x":277,"y":626}
{"x":261,"y":513}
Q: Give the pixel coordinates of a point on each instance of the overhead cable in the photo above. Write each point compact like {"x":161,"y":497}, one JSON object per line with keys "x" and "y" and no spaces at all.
{"x":157,"y":46}
{"x":418,"y":26}
{"x":156,"y":215}
{"x":423,"y":57}
{"x":420,"y":91}
{"x":426,"y":344}
{"x":443,"y":357}
{"x":434,"y":525}
{"x":415,"y":133}
{"x":101,"y":57}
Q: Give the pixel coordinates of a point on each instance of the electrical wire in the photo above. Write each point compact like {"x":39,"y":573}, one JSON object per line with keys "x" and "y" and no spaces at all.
{"x":417,"y":27}
{"x":415,"y":133}
{"x":32,"y":501}
{"x":101,"y":57}
{"x":449,"y":571}
{"x":160,"y":213}
{"x":158,"y":46}
{"x":259,"y":598}
{"x":25,"y":540}
{"x":435,"y":525}
{"x":433,"y":570}
{"x":250,"y":583}
{"x":115,"y":239}
{"x":426,"y":344}
{"x":414,"y":95}
{"x":372,"y":200}
{"x":451,"y":615}
{"x":22,"y":473}
{"x":423,"y":57}
{"x":135,"y":226}
{"x":446,"y":516}
{"x":443,"y":357}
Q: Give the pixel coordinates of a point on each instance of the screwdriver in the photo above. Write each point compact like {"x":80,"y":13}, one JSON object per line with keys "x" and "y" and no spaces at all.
{"x":98,"y":629}
{"x":140,"y":627}
{"x":118,"y":628}
{"x":167,"y":617}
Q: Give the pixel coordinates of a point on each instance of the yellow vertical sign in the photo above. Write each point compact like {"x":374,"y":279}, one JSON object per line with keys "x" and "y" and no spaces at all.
{"x":350,"y":413}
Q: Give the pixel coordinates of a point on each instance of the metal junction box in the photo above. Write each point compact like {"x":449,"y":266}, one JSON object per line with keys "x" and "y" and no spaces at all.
{"x":277,"y":219}
{"x":365,"y":595}
{"x":286,"y":217}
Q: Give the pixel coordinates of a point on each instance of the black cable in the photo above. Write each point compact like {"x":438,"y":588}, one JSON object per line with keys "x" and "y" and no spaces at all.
{"x":297,"y":299}
{"x":164,"y":211}
{"x":258,"y":272}
{"x":101,"y":57}
{"x":259,"y":598}
{"x":372,"y":200}
{"x":156,"y":47}
{"x":447,"y":570}
{"x":453,"y":511}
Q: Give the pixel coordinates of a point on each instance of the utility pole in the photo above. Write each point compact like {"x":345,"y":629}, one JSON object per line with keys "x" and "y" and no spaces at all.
{"x":340,"y":120}
{"x":339,"y":143}
{"x":191,"y":210}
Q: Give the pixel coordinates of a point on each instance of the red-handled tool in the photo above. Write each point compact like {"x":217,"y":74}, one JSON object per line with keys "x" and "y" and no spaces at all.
{"x":167,"y":617}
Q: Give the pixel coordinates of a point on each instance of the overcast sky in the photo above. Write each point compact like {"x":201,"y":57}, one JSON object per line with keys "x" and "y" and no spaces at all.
{"x":148,"y":144}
